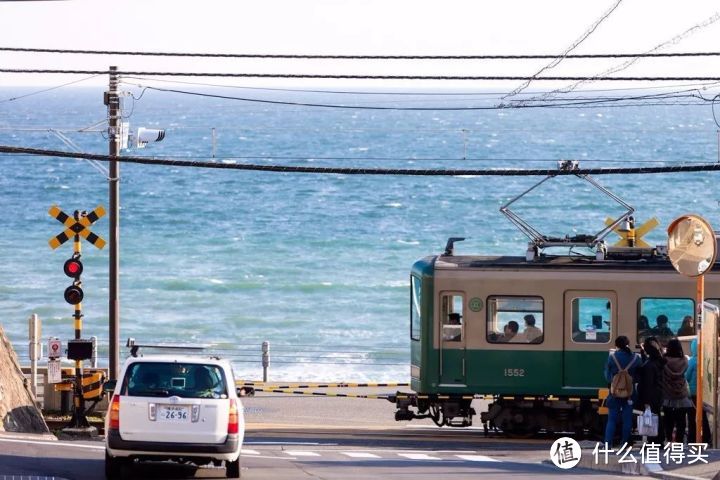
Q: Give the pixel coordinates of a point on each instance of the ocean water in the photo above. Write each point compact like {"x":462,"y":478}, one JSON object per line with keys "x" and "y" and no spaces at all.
{"x":318,"y":265}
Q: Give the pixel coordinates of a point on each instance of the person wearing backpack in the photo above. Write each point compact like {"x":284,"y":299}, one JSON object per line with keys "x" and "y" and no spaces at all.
{"x":620,"y":372}
{"x":676,"y":392}
{"x":650,"y":392}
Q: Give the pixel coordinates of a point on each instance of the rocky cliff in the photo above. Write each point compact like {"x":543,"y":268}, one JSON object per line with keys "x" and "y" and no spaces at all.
{"x":18,"y":412}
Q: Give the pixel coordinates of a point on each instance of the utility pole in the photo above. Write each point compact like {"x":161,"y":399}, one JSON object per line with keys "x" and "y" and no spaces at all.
{"x":112,"y":100}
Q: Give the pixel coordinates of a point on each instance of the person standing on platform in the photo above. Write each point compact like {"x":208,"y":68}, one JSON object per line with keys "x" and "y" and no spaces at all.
{"x":621,"y":372}
{"x":650,"y":392}
{"x":676,"y":394}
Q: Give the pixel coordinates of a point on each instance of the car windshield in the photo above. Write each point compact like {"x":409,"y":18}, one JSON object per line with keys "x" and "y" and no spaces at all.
{"x":165,"y":379}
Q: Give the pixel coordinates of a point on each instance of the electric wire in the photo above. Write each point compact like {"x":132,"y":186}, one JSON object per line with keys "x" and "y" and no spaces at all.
{"x":409,"y":160}
{"x":365,"y":77}
{"x":676,"y":39}
{"x":12,"y":99}
{"x":498,"y":94}
{"x":705,"y":167}
{"x":556,"y":61}
{"x":584,"y":102}
{"x":355,"y":57}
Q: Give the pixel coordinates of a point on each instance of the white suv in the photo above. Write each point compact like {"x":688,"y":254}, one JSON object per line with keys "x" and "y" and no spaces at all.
{"x":180,"y":408}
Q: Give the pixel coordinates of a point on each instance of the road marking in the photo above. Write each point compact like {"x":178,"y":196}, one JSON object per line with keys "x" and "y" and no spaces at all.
{"x":29,"y":477}
{"x":360,"y":455}
{"x":314,"y":444}
{"x":418,"y":456}
{"x":249,"y":452}
{"x":301,"y":453}
{"x":54,"y":444}
{"x":477,"y":458}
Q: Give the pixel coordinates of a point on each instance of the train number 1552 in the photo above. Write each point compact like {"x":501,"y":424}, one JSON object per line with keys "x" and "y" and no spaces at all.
{"x":514,"y":372}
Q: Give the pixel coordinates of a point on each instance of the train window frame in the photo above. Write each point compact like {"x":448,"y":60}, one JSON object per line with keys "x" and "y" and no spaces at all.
{"x":450,"y":332}
{"x":576,"y":332}
{"x":415,"y":307}
{"x":663,"y":339}
{"x":491,"y":335}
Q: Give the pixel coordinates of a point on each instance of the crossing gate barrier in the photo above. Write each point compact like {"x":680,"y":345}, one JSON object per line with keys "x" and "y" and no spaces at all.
{"x":92,"y":382}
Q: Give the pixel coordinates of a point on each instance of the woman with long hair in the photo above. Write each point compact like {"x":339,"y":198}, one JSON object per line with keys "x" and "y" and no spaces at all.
{"x":687,"y":327}
{"x":650,"y":392}
{"x":676,"y":393}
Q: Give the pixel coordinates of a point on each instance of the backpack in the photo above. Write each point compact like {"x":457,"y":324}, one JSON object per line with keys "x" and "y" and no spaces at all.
{"x":622,"y":383}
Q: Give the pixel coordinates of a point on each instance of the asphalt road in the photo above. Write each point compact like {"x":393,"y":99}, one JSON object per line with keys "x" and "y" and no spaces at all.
{"x":316,"y":454}
{"x":297,"y":437}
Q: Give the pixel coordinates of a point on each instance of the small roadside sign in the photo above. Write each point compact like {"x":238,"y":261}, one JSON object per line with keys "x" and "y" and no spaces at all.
{"x":53,"y":371}
{"x":54,"y":348}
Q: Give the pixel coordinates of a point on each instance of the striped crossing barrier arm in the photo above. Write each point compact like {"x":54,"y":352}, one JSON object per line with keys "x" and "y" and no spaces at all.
{"x":242,"y":383}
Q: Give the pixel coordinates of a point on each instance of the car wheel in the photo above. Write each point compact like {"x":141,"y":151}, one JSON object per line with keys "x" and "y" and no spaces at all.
{"x":232,"y":469}
{"x":114,"y":467}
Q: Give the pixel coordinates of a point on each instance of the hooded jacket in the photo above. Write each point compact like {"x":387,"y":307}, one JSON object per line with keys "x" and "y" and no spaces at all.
{"x":674,"y":385}
{"x":691,"y":373}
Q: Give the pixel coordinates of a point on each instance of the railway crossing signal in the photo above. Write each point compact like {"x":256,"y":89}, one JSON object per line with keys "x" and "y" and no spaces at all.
{"x":631,"y":236}
{"x":73,"y":268}
{"x":74,"y":295}
{"x":77,"y":225}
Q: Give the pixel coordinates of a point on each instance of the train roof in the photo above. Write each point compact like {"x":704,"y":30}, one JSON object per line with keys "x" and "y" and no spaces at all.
{"x":469,"y":261}
{"x":570,"y":262}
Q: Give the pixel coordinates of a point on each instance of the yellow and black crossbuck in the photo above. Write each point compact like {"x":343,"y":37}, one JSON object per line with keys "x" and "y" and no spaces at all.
{"x":76,"y":227}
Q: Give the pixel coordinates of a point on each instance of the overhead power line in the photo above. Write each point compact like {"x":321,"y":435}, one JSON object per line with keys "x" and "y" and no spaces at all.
{"x":553,"y":104}
{"x":653,"y":51}
{"x":363,"y":77}
{"x":708,"y":167}
{"x":559,"y":58}
{"x":354,"y":57}
{"x":418,"y":93}
{"x":11,"y":99}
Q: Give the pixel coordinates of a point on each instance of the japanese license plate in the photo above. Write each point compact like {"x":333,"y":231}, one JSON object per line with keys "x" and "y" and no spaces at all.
{"x":173,"y":413}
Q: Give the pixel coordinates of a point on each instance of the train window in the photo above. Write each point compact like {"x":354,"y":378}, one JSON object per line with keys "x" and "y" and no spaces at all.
{"x":452,"y":318}
{"x":415,"y":302}
{"x":591,"y":320}
{"x":515,"y":320}
{"x":665,"y":318}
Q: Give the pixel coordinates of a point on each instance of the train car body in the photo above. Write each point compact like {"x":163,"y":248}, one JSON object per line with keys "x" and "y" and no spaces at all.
{"x":567,"y":312}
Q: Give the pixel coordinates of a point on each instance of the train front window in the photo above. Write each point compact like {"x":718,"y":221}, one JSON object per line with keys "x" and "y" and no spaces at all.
{"x":665,"y":318}
{"x":515,"y":320}
{"x":415,"y":299}
{"x":591,"y":320}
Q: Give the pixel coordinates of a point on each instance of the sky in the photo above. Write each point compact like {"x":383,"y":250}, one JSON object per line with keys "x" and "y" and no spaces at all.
{"x":367,"y":27}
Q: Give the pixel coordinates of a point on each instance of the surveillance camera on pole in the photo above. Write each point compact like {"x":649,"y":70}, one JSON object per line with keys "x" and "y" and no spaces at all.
{"x":147,"y":135}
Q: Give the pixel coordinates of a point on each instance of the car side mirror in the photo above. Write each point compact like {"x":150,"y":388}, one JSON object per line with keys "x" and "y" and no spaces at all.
{"x":245,"y":391}
{"x":109,"y":386}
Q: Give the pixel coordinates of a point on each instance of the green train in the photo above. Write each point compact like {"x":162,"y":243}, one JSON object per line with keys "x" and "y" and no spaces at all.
{"x":532,"y":334}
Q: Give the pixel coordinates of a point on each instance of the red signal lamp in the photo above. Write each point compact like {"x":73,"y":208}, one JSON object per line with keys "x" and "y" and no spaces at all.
{"x":73,"y":268}
{"x":74,"y":295}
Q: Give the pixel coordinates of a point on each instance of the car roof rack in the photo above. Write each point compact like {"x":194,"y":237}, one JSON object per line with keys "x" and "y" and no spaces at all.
{"x":135,"y":347}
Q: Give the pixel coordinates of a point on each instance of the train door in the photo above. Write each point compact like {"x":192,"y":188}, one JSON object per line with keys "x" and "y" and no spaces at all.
{"x":590,"y":326}
{"x":452,"y":339}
